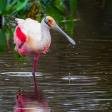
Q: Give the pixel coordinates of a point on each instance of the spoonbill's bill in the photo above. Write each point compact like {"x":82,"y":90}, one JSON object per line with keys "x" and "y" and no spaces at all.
{"x":33,"y":38}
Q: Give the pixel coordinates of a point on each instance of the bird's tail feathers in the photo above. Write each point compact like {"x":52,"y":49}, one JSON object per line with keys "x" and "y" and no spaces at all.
{"x":19,"y":21}
{"x":14,"y":21}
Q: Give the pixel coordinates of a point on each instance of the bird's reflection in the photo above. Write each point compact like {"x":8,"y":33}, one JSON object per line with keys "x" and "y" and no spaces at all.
{"x":30,"y":102}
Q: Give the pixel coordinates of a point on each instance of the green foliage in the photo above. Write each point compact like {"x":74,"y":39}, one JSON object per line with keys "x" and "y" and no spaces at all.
{"x":18,"y":57}
{"x":11,"y":6}
{"x":73,"y":6}
{"x":2,"y":40}
{"x":58,"y":9}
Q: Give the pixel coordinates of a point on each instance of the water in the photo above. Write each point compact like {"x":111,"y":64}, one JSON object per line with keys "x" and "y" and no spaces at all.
{"x":73,"y":79}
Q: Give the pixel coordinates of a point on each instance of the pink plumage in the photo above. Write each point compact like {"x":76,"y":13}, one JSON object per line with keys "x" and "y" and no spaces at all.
{"x":31,"y":37}
{"x":20,"y":34}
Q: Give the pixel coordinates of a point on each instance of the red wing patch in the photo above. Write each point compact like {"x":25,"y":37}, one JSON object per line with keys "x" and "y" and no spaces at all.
{"x":20,"y":34}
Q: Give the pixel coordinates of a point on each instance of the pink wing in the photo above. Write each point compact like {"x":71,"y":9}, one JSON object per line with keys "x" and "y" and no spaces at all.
{"x":19,"y":40}
{"x":21,"y":36}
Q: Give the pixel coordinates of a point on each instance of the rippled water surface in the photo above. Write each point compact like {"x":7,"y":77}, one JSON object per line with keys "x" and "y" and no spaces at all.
{"x":73,"y":79}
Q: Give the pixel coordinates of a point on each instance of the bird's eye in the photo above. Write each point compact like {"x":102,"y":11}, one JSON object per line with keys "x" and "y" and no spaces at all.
{"x":49,"y":22}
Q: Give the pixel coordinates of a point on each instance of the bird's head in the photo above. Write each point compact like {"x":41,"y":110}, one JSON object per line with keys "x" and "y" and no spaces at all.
{"x":49,"y":21}
{"x":53,"y":25}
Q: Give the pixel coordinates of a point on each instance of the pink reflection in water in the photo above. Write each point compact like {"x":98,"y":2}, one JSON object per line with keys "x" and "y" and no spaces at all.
{"x":30,"y":102}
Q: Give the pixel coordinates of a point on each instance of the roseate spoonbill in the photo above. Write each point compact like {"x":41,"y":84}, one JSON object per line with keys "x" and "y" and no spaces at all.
{"x":33,"y":38}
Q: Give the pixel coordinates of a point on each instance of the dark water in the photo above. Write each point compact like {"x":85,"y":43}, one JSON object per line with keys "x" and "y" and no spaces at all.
{"x":73,"y":79}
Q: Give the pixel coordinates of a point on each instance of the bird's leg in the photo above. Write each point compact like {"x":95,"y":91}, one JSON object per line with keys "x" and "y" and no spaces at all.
{"x":36,"y":86}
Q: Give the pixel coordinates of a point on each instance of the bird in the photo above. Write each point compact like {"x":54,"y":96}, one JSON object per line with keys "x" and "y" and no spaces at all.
{"x":33,"y":38}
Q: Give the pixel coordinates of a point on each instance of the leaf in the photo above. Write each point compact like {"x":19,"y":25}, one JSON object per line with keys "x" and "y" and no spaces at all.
{"x":10,"y":5}
{"x":2,"y":6}
{"x":20,"y":5}
{"x":73,"y":6}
